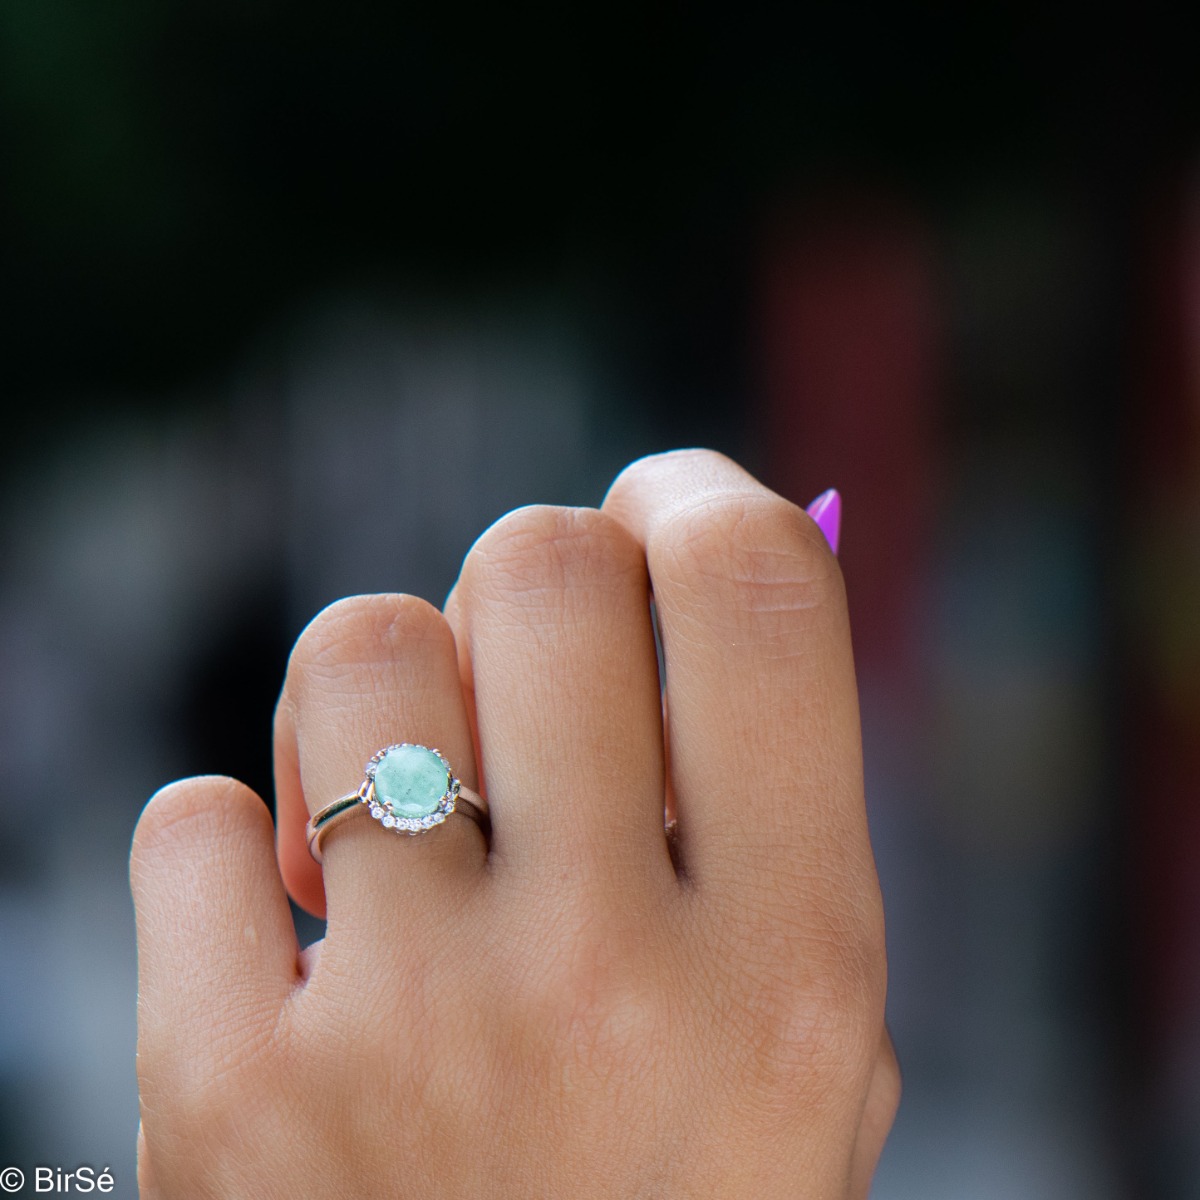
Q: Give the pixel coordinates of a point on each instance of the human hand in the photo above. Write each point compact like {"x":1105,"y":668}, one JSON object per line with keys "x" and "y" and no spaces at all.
{"x":568,"y":1012}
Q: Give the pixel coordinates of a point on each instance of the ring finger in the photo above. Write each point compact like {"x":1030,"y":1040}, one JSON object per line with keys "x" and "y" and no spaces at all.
{"x":368,"y":672}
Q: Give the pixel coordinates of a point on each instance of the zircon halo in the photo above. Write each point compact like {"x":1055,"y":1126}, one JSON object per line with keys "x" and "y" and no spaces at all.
{"x":410,"y":788}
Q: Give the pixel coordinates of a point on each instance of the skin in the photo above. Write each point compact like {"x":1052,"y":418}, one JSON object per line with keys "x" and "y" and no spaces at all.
{"x":569,"y":1012}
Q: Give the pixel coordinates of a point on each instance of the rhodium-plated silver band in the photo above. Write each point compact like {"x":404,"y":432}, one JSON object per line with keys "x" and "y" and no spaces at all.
{"x":465,"y":801}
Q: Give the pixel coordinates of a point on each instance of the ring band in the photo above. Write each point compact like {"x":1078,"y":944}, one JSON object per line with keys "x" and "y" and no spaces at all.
{"x":407,"y":788}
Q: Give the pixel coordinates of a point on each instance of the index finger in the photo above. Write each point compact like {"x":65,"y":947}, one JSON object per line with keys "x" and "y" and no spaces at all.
{"x":763,"y":722}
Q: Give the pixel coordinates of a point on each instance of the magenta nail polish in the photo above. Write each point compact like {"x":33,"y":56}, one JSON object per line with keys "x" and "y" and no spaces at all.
{"x":826,"y":510}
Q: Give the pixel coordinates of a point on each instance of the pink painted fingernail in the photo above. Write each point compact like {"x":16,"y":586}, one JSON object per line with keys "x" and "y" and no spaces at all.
{"x":826,"y":510}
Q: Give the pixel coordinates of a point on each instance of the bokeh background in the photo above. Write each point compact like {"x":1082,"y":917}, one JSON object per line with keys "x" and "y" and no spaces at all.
{"x":298,"y":298}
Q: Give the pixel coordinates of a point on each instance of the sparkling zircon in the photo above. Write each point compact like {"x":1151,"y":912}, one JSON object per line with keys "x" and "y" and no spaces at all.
{"x":410,"y":781}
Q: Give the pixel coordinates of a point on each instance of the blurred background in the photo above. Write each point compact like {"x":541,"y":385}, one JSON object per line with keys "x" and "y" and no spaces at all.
{"x":298,"y":299}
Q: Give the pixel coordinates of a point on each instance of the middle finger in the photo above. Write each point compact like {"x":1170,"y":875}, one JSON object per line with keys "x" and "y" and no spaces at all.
{"x":552,"y":613}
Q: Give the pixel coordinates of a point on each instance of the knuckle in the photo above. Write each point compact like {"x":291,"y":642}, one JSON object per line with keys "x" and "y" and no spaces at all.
{"x":208,"y":1082}
{"x":353,"y":630}
{"x":697,"y":463}
{"x":611,"y":1035}
{"x":847,"y":980}
{"x":595,"y":1011}
{"x":844,"y":965}
{"x":613,"y":1021}
{"x":806,"y":1003}
{"x":199,"y":1094}
{"x":757,"y":549}
{"x":546,"y":548}
{"x":798,"y":1039}
{"x":846,"y":925}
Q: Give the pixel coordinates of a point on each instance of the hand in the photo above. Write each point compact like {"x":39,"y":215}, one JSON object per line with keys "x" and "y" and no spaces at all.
{"x":567,"y":1013}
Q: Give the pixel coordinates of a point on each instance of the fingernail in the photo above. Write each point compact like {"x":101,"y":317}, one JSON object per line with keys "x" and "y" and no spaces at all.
{"x":826,"y":510}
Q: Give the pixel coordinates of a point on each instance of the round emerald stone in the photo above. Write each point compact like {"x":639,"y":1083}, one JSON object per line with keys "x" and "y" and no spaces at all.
{"x":411,"y":781}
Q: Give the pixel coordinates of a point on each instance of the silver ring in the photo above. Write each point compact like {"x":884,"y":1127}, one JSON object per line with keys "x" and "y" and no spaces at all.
{"x":408,"y":789}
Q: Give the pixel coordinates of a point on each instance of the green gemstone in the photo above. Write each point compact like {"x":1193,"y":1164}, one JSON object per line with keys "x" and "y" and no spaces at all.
{"x":411,"y":781}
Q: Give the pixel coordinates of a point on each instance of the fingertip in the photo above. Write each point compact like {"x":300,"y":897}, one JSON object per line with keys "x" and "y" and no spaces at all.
{"x":691,"y":462}
{"x":653,"y":489}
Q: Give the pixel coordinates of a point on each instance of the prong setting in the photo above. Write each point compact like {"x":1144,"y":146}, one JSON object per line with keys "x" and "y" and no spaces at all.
{"x":381,"y":808}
